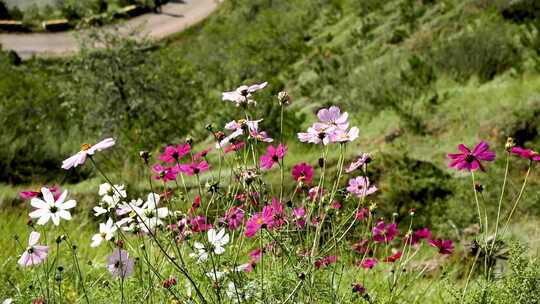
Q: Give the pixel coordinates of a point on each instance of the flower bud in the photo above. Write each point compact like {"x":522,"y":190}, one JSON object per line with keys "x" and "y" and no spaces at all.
{"x":189,"y":140}
{"x":284,"y":98}
{"x":479,"y":188}
{"x":509,"y":144}
{"x":209,"y":127}
{"x":144,"y":155}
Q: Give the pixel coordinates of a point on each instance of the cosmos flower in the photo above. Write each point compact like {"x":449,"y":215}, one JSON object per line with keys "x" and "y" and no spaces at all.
{"x":256,"y":222}
{"x":323,"y":262}
{"x":34,"y":254}
{"x":361,"y":214}
{"x":51,"y":209}
{"x":194,"y":168}
{"x":119,"y":263}
{"x":243,"y":94}
{"x":360,"y":186}
{"x":173,"y":154}
{"x":164,"y":173}
{"x":418,"y":235}
{"x":331,"y":128}
{"x":149,"y":215}
{"x":526,"y":153}
{"x":333,"y":117}
{"x":299,"y":217}
{"x":273,"y":155}
{"x":384,"y":233}
{"x":470,"y":160}
{"x":359,"y":162}
{"x":303,"y":173}
{"x":233,"y":147}
{"x":394,"y":257}
{"x":343,"y":135}
{"x":369,"y":263}
{"x":444,"y":246}
{"x":29,"y":194}
{"x":233,"y":217}
{"x":106,"y":233}
{"x":86,"y":150}
{"x":202,"y":154}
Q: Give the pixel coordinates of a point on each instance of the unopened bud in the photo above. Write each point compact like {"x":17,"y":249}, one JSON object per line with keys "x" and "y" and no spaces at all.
{"x":284,"y":98}
{"x":145,"y":156}
{"x":209,"y":127}
{"x":509,"y":144}
{"x":479,"y":188}
{"x":189,"y":140}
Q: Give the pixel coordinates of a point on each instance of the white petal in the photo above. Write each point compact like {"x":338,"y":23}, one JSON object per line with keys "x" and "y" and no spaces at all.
{"x":96,"y":240}
{"x":34,"y":238}
{"x":44,"y":219}
{"x":68,"y":205}
{"x":64,"y":214}
{"x":38,"y":213}
{"x":55,"y":219}
{"x":219,"y":250}
{"x":47,"y":195}
{"x":37,"y":203}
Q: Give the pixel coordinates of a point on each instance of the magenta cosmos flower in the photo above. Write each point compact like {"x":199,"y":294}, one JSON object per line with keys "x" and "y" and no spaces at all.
{"x":243,"y":94}
{"x":273,"y":155}
{"x":172,"y":154}
{"x":119,"y":263}
{"x":194,"y":168}
{"x":444,"y":246}
{"x":256,"y":222}
{"x":29,"y":194}
{"x":360,"y":186}
{"x":164,"y":173}
{"x":526,"y":153}
{"x":369,"y":263}
{"x":86,"y":149}
{"x":470,"y":160}
{"x":34,"y":254}
{"x":323,"y":262}
{"x":202,"y":154}
{"x":418,"y":235}
{"x":303,"y":173}
{"x":384,"y":233}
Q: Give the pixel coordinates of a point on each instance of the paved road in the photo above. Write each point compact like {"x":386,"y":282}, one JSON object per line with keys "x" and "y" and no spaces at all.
{"x":175,"y":17}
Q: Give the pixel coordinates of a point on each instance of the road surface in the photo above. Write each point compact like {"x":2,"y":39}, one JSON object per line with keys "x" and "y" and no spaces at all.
{"x":176,"y":16}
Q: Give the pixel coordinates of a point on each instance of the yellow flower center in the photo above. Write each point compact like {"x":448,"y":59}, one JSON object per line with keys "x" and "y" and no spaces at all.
{"x":85,"y":147}
{"x":260,"y":221}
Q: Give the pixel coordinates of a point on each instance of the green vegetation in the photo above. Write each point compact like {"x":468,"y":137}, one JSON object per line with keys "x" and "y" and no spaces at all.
{"x":418,"y":77}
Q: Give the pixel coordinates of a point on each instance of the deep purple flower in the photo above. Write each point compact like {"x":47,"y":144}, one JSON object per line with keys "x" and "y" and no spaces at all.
{"x":470,"y":160}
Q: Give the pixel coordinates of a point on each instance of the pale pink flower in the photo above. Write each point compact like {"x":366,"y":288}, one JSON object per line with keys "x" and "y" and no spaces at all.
{"x":120,"y":264}
{"x":360,"y":162}
{"x":86,"y":150}
{"x":360,"y":186}
{"x":339,"y":135}
{"x":34,"y":254}
{"x":243,"y":94}
{"x":333,"y":116}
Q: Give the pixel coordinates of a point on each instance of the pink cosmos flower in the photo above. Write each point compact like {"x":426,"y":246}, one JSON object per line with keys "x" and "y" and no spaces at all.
{"x":254,"y":132}
{"x":299,"y":216}
{"x":394,"y":257}
{"x":164,"y":173}
{"x":29,"y":194}
{"x":384,"y":233}
{"x":333,"y":117}
{"x":254,"y":258}
{"x":173,"y":154}
{"x":202,"y":154}
{"x":470,"y":160}
{"x":193,"y":168}
{"x":360,"y":186}
{"x":243,"y":94}
{"x":233,"y":147}
{"x":199,"y":224}
{"x":360,"y":162}
{"x":361,"y":214}
{"x":256,"y":222}
{"x":526,"y":153}
{"x":34,"y":254}
{"x":369,"y":263}
{"x":303,"y":173}
{"x":315,"y":192}
{"x":233,"y":217}
{"x":418,"y":235}
{"x":445,"y":246}
{"x":323,"y":262}
{"x":278,"y":214}
{"x":86,"y":150}
{"x":273,"y":155}
{"x":120,"y":264}
{"x":339,"y":135}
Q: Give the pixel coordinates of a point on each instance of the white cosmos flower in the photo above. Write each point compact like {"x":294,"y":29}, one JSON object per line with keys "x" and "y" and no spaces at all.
{"x":218,"y":240}
{"x":149,"y":215}
{"x":86,"y":149}
{"x":239,"y":294}
{"x":106,"y":233}
{"x":51,"y":209}
{"x":8,"y":301}
{"x":201,"y":253}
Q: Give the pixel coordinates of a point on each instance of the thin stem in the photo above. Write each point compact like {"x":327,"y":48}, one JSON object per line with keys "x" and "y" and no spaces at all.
{"x":518,"y":198}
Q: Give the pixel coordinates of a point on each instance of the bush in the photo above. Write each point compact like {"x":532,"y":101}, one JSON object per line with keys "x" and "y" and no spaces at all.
{"x":484,"y":52}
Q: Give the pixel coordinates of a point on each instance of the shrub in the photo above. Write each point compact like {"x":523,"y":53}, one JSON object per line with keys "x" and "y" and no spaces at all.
{"x":484,"y":52}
